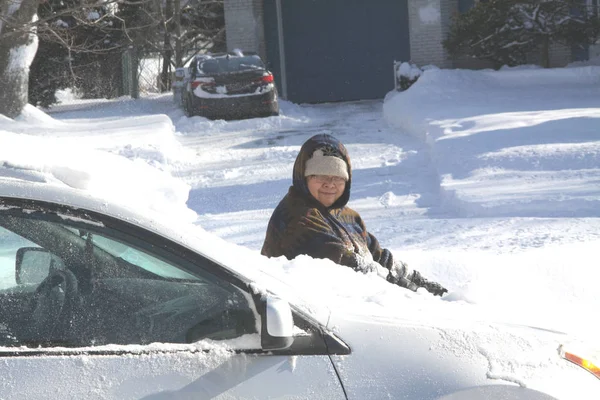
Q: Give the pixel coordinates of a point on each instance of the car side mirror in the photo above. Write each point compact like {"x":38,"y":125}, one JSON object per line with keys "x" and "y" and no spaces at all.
{"x":277,"y":331}
{"x":34,"y":264}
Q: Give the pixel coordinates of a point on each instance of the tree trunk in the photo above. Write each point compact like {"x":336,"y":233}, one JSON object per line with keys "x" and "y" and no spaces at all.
{"x":17,"y":50}
{"x":135,"y":70}
{"x":178,"y":50}
{"x":166,"y":68}
{"x":168,"y":49}
{"x":545,"y":53}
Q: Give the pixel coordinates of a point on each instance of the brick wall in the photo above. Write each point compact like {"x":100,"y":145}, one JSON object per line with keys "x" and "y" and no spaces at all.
{"x":429,"y":21}
{"x":560,"y":55}
{"x":244,"y":25}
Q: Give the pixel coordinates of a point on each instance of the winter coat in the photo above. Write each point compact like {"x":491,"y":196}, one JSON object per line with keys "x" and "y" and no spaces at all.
{"x":300,"y":224}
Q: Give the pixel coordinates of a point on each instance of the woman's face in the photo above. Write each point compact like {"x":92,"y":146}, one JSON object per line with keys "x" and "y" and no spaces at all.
{"x":325,"y":188}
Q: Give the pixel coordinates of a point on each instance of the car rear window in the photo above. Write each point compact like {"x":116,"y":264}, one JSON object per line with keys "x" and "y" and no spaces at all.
{"x":230,"y":64}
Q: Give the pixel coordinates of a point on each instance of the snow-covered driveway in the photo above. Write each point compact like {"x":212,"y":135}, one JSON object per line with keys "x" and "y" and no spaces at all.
{"x":239,"y":170}
{"x":244,"y":167}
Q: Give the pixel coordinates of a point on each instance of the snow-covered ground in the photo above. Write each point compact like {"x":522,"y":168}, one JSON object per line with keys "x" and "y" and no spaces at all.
{"x":488,"y":182}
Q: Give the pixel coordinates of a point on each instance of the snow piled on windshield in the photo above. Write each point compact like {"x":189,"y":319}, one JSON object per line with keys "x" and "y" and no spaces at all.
{"x":483,"y":181}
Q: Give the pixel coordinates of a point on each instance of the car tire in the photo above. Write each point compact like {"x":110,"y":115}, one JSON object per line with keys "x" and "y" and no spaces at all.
{"x":186,"y":107}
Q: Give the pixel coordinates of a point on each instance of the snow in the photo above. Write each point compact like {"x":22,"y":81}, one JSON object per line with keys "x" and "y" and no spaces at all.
{"x":429,"y":14}
{"x":249,"y":341}
{"x":591,"y":61}
{"x":484,"y":181}
{"x":21,"y":57}
{"x":408,"y":70}
{"x":110,"y":158}
{"x":502,"y":154}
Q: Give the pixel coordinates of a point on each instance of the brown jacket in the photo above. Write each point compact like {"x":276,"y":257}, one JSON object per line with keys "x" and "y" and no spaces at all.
{"x":302,"y":225}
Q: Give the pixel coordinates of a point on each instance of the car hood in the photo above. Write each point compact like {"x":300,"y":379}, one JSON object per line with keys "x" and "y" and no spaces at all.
{"x":447,"y":358}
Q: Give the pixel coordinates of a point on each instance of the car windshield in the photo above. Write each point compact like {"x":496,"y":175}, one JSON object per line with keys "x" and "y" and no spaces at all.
{"x":219,"y":65}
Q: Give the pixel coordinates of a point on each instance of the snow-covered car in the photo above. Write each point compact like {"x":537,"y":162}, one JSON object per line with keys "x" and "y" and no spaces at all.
{"x":229,"y":85}
{"x":99,"y":301}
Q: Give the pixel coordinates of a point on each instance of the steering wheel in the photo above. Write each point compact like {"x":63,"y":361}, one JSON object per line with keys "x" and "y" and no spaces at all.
{"x":53,"y":306}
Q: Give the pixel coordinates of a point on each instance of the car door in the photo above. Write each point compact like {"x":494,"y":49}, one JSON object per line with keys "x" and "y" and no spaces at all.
{"x":94,"y":307}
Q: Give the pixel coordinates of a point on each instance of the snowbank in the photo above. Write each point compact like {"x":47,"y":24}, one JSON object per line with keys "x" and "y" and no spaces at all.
{"x":127,"y":159}
{"x":520,"y":142}
{"x":591,"y":61}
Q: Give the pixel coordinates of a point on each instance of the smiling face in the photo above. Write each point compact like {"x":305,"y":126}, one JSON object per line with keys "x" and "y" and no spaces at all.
{"x":326,"y":189}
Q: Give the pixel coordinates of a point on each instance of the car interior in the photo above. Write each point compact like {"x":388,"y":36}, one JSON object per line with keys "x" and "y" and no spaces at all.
{"x":76,"y":287}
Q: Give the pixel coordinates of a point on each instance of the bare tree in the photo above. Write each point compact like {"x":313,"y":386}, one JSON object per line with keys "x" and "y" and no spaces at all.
{"x":17,"y":48}
{"x":190,"y":27}
{"x":20,"y":30}
{"x":173,"y":28}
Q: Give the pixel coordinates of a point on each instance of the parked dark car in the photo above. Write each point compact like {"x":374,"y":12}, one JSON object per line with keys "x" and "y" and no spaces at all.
{"x":229,"y":86}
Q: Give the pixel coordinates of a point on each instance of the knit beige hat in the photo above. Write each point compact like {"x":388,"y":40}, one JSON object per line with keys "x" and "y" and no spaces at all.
{"x":320,"y":164}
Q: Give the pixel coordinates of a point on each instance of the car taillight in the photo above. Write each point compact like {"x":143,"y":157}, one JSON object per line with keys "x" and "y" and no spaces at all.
{"x":204,"y":84}
{"x":267,"y":78}
{"x":584,"y":363}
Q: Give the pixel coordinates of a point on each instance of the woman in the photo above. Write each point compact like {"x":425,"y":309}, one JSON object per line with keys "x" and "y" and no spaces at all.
{"x":313,"y":219}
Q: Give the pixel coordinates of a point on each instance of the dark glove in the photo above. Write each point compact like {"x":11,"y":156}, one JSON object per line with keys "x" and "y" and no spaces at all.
{"x":400,"y":275}
{"x":432,"y":287}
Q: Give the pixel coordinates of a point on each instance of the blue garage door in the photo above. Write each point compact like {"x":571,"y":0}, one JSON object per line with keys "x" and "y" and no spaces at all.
{"x":338,"y":50}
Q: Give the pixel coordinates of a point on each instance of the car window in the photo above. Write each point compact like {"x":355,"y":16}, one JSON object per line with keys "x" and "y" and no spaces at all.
{"x":230,"y":64}
{"x":92,"y":285}
{"x":138,"y":258}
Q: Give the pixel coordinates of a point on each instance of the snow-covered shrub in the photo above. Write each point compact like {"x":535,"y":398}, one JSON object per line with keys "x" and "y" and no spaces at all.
{"x":508,"y":31}
{"x":406,"y":74}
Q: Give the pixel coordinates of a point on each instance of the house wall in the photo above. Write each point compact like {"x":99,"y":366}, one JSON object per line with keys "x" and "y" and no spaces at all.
{"x":429,"y":21}
{"x":560,"y":55}
{"x":244,"y":25}
{"x":471,"y":63}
